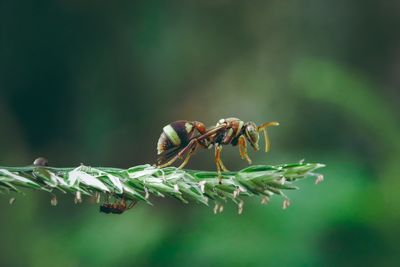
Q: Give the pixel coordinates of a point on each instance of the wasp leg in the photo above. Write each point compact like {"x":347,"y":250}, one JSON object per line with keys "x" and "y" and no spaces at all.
{"x":190,"y":153}
{"x":243,"y":149}
{"x":263,"y":127}
{"x":225,"y":169}
{"x":192,"y":143}
{"x":133,"y":203}
{"x":169,"y":162}
{"x":218,"y":161}
{"x":177,"y":156}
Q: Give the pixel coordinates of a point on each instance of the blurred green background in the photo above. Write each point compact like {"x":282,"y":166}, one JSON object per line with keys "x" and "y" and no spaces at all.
{"x":94,"y":82}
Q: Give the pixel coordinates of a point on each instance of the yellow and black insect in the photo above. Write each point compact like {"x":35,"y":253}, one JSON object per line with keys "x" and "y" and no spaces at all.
{"x":180,"y":139}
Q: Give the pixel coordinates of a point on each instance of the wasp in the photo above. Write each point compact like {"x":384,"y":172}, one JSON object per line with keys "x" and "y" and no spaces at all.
{"x":117,"y":207}
{"x":180,"y":140}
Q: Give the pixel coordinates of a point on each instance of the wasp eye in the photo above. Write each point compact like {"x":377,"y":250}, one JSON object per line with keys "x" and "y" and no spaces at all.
{"x":252,"y":134}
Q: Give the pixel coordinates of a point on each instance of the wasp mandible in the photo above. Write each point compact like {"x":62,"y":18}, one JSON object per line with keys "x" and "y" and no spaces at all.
{"x":182,"y":138}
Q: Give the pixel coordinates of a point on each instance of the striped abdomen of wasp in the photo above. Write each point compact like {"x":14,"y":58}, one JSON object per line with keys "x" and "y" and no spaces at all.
{"x":180,"y":139}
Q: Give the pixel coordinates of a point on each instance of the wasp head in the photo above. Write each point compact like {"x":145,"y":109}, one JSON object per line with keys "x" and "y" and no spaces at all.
{"x":251,"y":134}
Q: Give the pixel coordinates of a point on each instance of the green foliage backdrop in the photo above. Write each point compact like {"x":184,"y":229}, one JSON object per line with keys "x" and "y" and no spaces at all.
{"x":94,"y":82}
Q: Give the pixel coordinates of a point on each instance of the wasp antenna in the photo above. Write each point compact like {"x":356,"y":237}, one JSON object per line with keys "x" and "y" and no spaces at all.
{"x":267,"y":124}
{"x":267,"y":144}
{"x":263,"y":127}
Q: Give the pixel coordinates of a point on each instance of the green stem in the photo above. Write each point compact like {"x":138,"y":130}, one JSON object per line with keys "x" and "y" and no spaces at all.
{"x":137,"y":183}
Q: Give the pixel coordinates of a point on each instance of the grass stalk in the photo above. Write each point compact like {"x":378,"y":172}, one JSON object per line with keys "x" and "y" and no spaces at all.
{"x":140,"y":182}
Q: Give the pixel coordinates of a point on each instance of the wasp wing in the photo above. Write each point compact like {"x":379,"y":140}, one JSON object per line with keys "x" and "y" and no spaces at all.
{"x":211,"y":132}
{"x":168,"y":155}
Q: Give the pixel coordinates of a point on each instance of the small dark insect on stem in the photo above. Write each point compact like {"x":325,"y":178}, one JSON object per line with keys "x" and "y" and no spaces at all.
{"x":118,"y":207}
